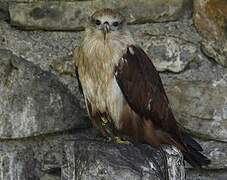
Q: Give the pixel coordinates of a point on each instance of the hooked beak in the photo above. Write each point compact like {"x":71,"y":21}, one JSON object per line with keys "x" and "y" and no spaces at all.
{"x":105,"y":29}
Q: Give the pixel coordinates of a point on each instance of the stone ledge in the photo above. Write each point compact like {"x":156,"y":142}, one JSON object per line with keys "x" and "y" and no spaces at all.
{"x":53,"y":156}
{"x":96,"y":159}
{"x":73,"y":15}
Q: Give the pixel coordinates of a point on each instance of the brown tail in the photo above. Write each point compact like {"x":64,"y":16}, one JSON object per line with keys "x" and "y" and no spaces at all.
{"x":193,"y":153}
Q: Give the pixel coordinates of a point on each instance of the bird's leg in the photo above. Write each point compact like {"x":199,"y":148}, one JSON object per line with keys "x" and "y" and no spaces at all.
{"x":107,"y":127}
{"x":95,"y":119}
{"x":110,"y":129}
{"x":166,"y":172}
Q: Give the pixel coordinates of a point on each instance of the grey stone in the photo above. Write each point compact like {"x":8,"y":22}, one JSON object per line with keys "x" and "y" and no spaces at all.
{"x":39,"y":47}
{"x":31,"y":159}
{"x":64,"y":66}
{"x":50,"y":177}
{"x":210,"y":17}
{"x":73,"y":15}
{"x":201,"y":107}
{"x":4,"y":11}
{"x":182,"y":29}
{"x":199,"y":68}
{"x":216,"y":151}
{"x":33,"y":101}
{"x":17,"y":164}
{"x":35,"y":158}
{"x":171,"y":46}
{"x":206,"y":174}
{"x":89,"y":159}
{"x":43,"y":158}
{"x":169,"y":53}
{"x":43,"y":49}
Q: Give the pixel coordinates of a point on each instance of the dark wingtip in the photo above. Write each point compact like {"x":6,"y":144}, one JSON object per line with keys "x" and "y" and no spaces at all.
{"x":189,"y":141}
{"x":195,"y":158}
{"x":193,"y":153}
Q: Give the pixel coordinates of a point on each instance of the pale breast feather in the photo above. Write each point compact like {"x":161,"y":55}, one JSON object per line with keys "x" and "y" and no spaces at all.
{"x":115,"y":100}
{"x":96,"y":73}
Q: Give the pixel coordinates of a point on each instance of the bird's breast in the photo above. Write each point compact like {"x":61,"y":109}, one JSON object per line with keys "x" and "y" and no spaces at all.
{"x":100,"y":86}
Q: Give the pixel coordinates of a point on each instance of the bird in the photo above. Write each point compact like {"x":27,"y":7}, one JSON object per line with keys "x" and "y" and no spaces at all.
{"x":123,"y":91}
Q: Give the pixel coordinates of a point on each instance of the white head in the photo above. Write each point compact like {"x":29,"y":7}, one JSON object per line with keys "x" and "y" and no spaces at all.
{"x":107,"y":22}
{"x":106,"y":35}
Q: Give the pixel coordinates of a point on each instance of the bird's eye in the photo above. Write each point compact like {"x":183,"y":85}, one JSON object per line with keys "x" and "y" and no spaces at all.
{"x":115,"y":23}
{"x":97,"y":22}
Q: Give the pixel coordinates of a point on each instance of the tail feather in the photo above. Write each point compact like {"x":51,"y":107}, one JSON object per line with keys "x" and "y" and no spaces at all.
{"x":195,"y":158}
{"x":189,"y":141}
{"x":193,"y":154}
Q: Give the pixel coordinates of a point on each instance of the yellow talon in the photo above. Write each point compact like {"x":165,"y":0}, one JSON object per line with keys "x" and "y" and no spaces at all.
{"x":120,"y":141}
{"x":104,"y":121}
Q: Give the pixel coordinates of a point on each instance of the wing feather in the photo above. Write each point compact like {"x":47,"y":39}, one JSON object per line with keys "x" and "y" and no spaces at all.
{"x":143,"y":90}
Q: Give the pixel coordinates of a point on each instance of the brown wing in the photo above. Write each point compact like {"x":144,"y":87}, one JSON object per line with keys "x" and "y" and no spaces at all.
{"x":143,"y":90}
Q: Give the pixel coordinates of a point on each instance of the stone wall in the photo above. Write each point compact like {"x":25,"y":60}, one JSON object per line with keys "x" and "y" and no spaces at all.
{"x":41,"y":107}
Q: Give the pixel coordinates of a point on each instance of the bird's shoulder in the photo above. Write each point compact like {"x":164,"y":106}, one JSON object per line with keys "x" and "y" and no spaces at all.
{"x":136,"y":65}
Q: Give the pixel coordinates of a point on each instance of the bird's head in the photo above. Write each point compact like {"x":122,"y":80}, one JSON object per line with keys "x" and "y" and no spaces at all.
{"x":107,"y":22}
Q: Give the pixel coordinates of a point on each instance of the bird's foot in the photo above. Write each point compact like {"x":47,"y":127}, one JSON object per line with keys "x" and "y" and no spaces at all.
{"x":118,"y":140}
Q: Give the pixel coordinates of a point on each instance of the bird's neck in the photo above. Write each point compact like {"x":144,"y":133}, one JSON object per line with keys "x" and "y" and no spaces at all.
{"x":110,"y":49}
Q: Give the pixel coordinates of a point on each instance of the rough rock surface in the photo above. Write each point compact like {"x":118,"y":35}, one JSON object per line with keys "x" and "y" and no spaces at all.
{"x":39,"y":47}
{"x":201,"y":108}
{"x":4,"y":11}
{"x":169,"y":53}
{"x":73,"y":15}
{"x":16,"y":163}
{"x":43,"y":158}
{"x":43,"y":49}
{"x":206,"y":174}
{"x":89,"y":159}
{"x":217,"y":152}
{"x":211,"y":21}
{"x":33,"y":101}
{"x":32,"y":158}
